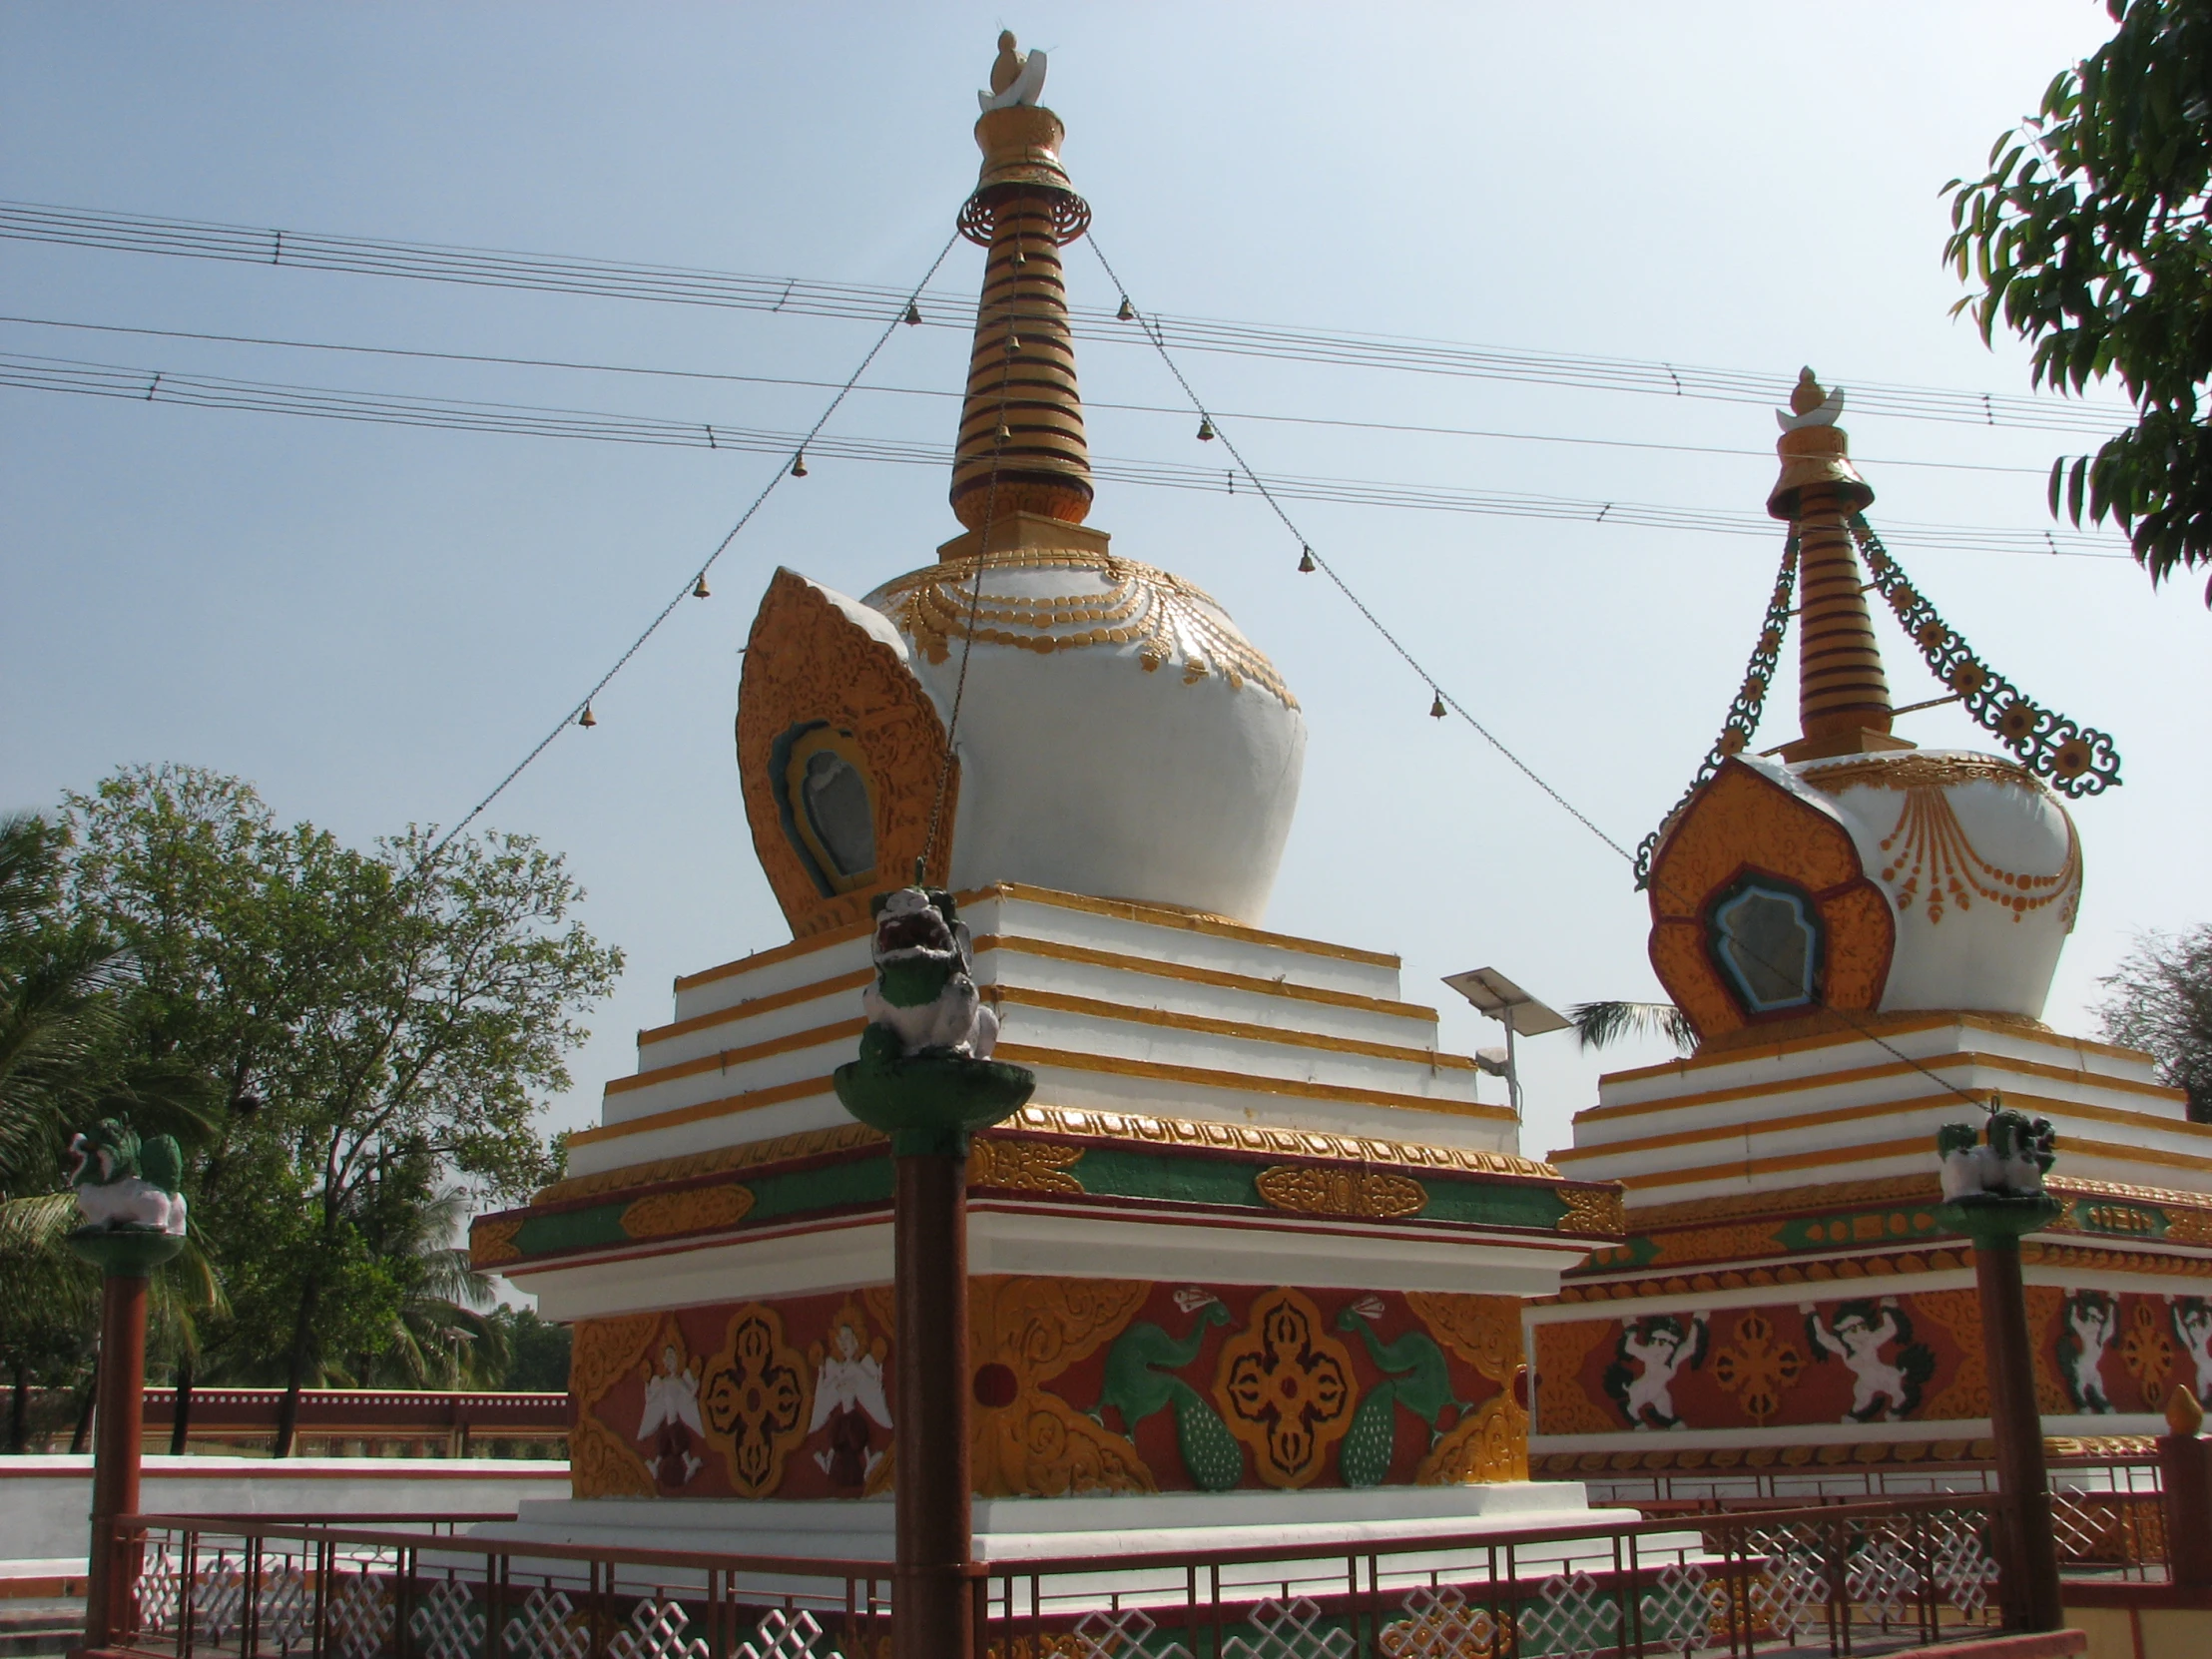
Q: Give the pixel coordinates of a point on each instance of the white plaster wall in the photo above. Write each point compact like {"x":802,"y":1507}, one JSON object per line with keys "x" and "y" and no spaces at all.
{"x":46,"y":1502}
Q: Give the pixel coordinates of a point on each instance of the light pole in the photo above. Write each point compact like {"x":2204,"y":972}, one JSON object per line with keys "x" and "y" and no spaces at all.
{"x":923,"y":1079}
{"x":133,"y":1224}
{"x":1993,"y":1192}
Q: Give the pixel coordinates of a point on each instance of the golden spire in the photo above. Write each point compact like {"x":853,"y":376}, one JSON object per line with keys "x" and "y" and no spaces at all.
{"x":1842,"y":695}
{"x":1022,"y":447}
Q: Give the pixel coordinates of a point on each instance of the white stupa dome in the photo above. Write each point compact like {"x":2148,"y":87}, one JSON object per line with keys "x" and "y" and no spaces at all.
{"x":1117,"y":735}
{"x":1980,"y":862}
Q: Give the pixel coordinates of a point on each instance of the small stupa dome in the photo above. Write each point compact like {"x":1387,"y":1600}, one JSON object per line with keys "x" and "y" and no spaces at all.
{"x":1980,"y":862}
{"x":1853,"y":874}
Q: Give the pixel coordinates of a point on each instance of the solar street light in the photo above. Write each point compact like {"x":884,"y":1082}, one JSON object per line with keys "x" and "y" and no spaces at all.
{"x":1522,"y":1015}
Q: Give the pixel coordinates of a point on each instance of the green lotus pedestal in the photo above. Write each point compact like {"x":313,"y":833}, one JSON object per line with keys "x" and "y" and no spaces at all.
{"x":2027,"y":1564}
{"x":930,"y":1104}
{"x":124,"y":1256}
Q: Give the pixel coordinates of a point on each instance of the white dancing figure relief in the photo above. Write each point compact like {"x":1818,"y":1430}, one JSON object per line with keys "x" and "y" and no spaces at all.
{"x":1880,"y":1389}
{"x":670,"y":1407}
{"x":1660,"y":1346}
{"x":2093,"y":1316}
{"x":2193,"y":1324}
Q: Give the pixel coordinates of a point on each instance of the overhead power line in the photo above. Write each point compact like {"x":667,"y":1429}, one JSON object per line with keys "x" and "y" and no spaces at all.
{"x":808,"y":296}
{"x":52,"y":375}
{"x":943,"y":394}
{"x":695,"y":588}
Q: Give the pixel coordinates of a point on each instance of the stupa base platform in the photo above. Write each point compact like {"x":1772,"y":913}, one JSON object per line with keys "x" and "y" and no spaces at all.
{"x":1018,"y":1530}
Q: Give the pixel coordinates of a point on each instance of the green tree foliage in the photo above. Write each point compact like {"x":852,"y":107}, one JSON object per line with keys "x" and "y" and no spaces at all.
{"x":373,"y":1033}
{"x":538,"y":1351}
{"x":2088,"y":236}
{"x":2162,"y":1001}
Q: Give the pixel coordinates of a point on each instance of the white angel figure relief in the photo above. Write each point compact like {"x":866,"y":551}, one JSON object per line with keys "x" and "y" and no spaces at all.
{"x":849,"y":1393}
{"x":672,"y":1408}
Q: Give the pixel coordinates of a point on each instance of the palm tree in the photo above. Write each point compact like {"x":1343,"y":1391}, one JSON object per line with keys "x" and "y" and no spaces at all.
{"x":59,"y":1020}
{"x":1601,"y":1024}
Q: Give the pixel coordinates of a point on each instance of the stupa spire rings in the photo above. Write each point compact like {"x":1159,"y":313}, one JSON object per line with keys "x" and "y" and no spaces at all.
{"x":1844,"y":702}
{"x":1022,"y":447}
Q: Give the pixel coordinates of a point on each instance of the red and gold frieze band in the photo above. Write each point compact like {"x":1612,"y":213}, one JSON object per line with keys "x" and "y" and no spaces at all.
{"x":1874,"y":1353}
{"x":1079,"y":1385}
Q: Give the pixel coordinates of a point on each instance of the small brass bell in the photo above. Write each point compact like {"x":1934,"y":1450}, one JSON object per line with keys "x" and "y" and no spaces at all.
{"x":1437,"y":705}
{"x":913,"y":314}
{"x":1013,"y":342}
{"x":798,"y":464}
{"x":1006,"y":433}
{"x":1205,"y":430}
{"x":1128,"y":312}
{"x":698,"y":588}
{"x":1306,"y":561}
{"x":1020,"y":258}
{"x":587,"y":718}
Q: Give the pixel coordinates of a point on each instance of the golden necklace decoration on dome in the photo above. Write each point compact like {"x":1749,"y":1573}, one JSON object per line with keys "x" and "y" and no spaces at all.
{"x":1165,"y":616}
{"x":1928,"y":837}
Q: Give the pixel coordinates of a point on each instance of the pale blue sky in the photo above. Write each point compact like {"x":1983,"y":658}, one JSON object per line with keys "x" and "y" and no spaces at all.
{"x":373,"y":624}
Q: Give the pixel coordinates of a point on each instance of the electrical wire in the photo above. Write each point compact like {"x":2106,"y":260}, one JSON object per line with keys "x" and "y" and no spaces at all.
{"x":1443,"y":699}
{"x":805,"y":296}
{"x":1337,"y":422}
{"x":689,"y":587}
{"x":61,"y":374}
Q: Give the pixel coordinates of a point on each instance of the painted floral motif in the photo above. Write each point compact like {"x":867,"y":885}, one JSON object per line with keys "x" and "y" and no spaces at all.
{"x":2148,"y":1353}
{"x":1286,"y":1388}
{"x":756,"y":1398}
{"x":1757,"y":1367}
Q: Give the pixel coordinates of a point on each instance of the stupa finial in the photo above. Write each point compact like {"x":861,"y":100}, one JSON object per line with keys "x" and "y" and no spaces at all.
{"x":1022,"y":447}
{"x":1016,"y":77}
{"x":1842,"y":695}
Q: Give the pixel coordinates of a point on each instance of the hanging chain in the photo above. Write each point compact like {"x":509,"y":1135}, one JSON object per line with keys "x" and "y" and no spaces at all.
{"x":2072,"y":758}
{"x":1742,"y":724}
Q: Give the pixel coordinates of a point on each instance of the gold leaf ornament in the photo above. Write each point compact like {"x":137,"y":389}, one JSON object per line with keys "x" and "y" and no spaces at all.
{"x":1309,"y":1190}
{"x":697,"y":1210}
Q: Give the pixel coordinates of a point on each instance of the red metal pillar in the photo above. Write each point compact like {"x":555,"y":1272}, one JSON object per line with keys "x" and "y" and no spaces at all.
{"x":113,"y":1565}
{"x":933,"y":1606}
{"x":2028,"y":1563}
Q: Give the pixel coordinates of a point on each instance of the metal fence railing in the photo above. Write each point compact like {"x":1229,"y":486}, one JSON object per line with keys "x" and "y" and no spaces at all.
{"x":1863,"y":1577}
